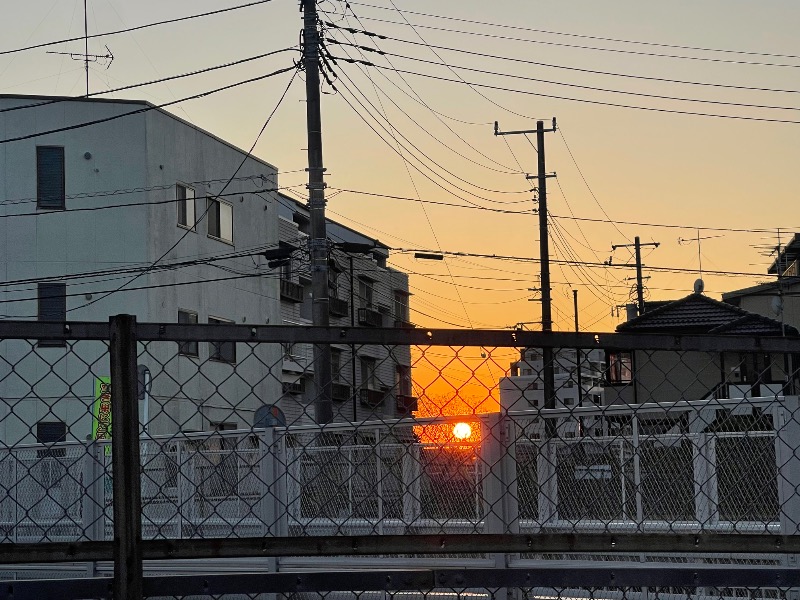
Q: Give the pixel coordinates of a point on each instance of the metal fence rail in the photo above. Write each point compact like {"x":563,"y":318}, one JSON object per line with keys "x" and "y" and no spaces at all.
{"x":652,"y":451}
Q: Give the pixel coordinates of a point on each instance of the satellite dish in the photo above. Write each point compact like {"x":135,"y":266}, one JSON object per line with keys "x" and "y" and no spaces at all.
{"x":777,"y":305}
{"x":699,"y":286}
{"x":269,"y":415}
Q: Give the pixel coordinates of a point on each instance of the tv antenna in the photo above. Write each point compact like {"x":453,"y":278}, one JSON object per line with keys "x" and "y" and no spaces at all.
{"x":86,"y":57}
{"x":697,"y":240}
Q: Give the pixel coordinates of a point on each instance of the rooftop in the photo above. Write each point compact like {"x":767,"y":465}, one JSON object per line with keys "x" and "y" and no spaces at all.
{"x":699,"y":314}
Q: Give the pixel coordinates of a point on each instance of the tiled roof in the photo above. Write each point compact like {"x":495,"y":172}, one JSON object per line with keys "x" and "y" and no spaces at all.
{"x":699,"y":314}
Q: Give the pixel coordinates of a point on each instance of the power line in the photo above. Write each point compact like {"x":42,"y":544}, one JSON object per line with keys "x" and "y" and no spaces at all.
{"x":420,"y":151}
{"x":582,"y":47}
{"x":585,"y":100}
{"x":584,"y":36}
{"x":572,"y":262}
{"x":436,"y":138}
{"x":136,"y":28}
{"x":581,"y":70}
{"x":128,"y":205}
{"x":579,"y":86}
{"x":573,"y":218}
{"x":146,"y":83}
{"x":147,"y":108}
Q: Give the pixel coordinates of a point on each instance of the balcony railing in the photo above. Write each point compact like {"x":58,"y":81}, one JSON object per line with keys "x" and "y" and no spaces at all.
{"x":291,"y":291}
{"x":340,"y":392}
{"x":406,"y":404}
{"x":371,"y":398}
{"x":369,"y":317}
{"x":338,"y":307}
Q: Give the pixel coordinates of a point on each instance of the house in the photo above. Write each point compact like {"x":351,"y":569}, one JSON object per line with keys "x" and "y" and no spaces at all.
{"x":117,"y":206}
{"x":655,"y":376}
{"x":778,"y":299}
{"x":368,"y":381}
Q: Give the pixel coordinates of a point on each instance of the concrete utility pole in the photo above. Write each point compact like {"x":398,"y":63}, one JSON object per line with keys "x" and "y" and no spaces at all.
{"x":637,"y":245}
{"x":318,"y":242}
{"x":544,"y":260}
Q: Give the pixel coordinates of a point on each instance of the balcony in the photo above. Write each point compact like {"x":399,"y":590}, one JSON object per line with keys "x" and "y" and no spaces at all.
{"x":338,"y":307}
{"x":294,"y":387}
{"x":371,"y":398}
{"x":291,"y":291}
{"x":403,"y":324}
{"x":406,"y":404}
{"x":370,"y":317}
{"x":340,"y":392}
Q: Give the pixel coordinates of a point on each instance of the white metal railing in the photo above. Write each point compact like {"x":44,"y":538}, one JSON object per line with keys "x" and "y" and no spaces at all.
{"x":377,"y":477}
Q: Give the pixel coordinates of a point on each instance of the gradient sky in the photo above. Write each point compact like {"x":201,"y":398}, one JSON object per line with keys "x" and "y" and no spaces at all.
{"x":642,"y":166}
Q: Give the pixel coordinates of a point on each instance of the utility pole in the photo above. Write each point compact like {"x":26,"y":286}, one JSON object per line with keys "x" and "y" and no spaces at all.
{"x":318,"y":242}
{"x":544,"y":260}
{"x":637,"y":246}
{"x":578,"y":357}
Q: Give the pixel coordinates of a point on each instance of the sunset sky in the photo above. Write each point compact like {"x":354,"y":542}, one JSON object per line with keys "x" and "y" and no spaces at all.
{"x":639,"y":166}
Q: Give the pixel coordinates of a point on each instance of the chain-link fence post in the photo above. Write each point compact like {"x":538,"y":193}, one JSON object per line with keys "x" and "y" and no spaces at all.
{"x":126,"y":461}
{"x":93,"y":501}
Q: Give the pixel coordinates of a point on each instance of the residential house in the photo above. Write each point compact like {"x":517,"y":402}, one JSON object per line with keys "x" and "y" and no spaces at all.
{"x":660,"y":376}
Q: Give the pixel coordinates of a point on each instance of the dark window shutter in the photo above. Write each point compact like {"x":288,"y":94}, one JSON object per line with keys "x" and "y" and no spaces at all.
{"x":51,"y":432}
{"x":50,"y":180}
{"x":52,"y":302}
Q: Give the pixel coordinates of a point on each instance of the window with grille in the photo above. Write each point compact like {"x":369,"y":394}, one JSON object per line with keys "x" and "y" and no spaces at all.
{"x":50,"y":178}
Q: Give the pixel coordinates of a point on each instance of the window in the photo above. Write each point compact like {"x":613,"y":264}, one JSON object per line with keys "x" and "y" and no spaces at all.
{"x":620,"y":367}
{"x":220,"y":220}
{"x":336,"y":365}
{"x":368,"y":378}
{"x":403,"y":380}
{"x":51,"y":432}
{"x":52,"y":307}
{"x":400,"y":305}
{"x":50,"y":179}
{"x":365,"y":293}
{"x":222,"y":351}
{"x":286,"y":269}
{"x":185,"y":201}
{"x":187,"y":348}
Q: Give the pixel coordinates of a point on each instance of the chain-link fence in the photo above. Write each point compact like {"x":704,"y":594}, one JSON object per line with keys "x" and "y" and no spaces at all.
{"x":194,"y":448}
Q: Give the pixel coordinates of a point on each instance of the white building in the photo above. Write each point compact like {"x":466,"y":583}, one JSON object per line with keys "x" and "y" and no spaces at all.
{"x":100,"y":200}
{"x":524,"y":388}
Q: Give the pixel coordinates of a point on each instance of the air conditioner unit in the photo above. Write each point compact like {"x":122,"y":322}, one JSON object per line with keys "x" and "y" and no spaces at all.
{"x":294,"y":387}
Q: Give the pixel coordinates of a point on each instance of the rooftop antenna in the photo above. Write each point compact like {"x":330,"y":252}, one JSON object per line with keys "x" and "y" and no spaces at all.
{"x":697,"y":240}
{"x":86,"y":57}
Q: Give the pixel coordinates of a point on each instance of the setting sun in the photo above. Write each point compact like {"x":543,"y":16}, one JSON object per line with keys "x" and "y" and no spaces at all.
{"x":462,"y":431}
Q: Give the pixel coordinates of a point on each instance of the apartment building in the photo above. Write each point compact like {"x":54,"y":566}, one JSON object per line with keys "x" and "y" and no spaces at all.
{"x":116,"y":206}
{"x":368,"y":381}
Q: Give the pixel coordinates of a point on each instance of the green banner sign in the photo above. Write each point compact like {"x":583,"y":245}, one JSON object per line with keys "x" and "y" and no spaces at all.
{"x":101,"y":412}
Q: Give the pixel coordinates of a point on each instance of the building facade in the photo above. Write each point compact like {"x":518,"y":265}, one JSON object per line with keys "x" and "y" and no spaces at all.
{"x":368,"y":381}
{"x":110,"y":207}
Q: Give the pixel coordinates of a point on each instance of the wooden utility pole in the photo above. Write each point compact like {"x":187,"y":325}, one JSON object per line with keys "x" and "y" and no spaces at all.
{"x":318,"y":242}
